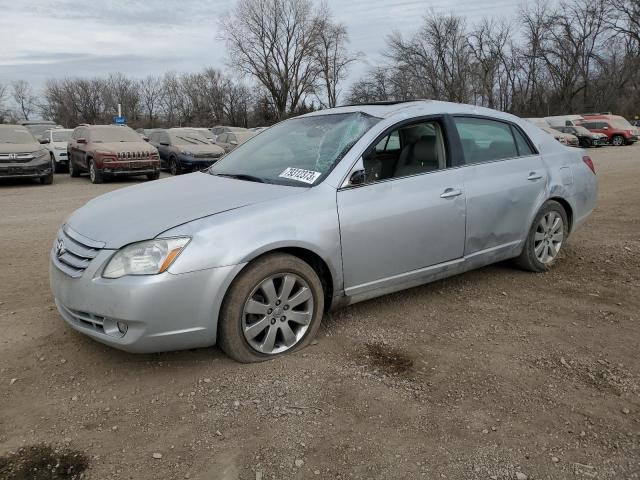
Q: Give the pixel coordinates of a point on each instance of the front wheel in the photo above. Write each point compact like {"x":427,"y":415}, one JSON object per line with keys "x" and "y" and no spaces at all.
{"x":95,"y":175}
{"x":275,"y":306}
{"x":73,"y":171}
{"x":545,"y":238}
{"x":174,"y":166}
{"x":618,"y":140}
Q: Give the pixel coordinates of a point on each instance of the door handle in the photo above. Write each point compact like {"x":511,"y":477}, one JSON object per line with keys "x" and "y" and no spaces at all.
{"x":451,"y":192}
{"x":534,"y":176}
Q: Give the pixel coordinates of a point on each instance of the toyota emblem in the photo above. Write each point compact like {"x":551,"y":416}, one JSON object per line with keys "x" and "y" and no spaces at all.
{"x":60,"y":250}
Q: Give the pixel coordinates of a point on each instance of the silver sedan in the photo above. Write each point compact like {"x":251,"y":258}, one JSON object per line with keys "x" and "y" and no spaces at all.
{"x":315,"y":213}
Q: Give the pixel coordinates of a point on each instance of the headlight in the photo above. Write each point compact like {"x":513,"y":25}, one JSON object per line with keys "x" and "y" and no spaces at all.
{"x":145,"y":258}
{"x":187,"y":152}
{"x":40,"y":153}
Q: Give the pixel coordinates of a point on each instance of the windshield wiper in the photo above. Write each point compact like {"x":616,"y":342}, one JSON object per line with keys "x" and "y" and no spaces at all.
{"x":240,"y":176}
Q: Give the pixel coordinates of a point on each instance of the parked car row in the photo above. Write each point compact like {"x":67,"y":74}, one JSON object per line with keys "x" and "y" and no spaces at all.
{"x":594,"y":129}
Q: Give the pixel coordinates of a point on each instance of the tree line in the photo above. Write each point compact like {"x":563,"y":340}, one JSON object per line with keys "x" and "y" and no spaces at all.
{"x":291,"y":56}
{"x":569,"y":56}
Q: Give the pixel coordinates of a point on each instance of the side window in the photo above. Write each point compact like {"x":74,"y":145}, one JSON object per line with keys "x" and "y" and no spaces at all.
{"x":222,"y":138}
{"x":485,"y":140}
{"x":524,"y":147}
{"x":74,"y":134}
{"x":409,"y":150}
{"x":389,"y":143}
{"x":231,"y":137}
{"x":164,"y":138}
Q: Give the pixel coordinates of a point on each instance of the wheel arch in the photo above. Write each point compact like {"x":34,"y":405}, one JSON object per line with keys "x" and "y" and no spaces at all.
{"x":568,"y":209}
{"x":309,"y":256}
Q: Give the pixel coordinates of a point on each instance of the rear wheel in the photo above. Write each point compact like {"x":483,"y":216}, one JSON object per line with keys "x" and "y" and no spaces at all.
{"x":618,"y":140}
{"x":95,"y":175}
{"x":545,"y":239}
{"x":274,"y":307}
{"x":586,"y":142}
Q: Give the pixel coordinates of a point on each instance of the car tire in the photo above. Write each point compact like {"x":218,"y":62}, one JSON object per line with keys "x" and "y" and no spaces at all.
{"x":618,"y":141}
{"x":543,"y":244}
{"x":586,"y":143}
{"x":234,"y":319}
{"x":95,"y":175}
{"x":174,"y":166}
{"x":153,"y":176}
{"x":54,"y":168}
{"x":47,"y":179}
{"x":73,"y":171}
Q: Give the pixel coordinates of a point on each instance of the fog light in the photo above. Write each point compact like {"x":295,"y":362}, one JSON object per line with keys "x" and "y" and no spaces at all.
{"x":122,"y":327}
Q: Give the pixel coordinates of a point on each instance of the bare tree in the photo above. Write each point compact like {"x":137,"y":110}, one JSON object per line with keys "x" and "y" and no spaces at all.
{"x":151,"y":92}
{"x":332,"y":57}
{"x":274,"y":41}
{"x":24,"y":97}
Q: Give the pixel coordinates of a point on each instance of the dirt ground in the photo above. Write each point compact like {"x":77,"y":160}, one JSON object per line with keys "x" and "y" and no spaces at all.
{"x":495,"y":374}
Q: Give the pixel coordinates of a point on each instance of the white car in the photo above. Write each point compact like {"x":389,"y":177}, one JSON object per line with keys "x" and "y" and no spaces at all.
{"x":55,"y":140}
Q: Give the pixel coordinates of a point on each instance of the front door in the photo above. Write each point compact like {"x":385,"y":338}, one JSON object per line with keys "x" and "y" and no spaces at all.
{"x":409,"y":215}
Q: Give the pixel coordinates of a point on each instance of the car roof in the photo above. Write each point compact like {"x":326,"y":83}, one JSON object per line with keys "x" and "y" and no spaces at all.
{"x":411,"y":108}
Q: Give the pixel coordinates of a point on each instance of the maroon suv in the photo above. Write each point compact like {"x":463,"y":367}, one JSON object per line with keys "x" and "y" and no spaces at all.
{"x":618,"y":130}
{"x":111,"y":151}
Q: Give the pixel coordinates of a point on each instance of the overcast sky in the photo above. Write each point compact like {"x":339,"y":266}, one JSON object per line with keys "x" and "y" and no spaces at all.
{"x":58,"y":38}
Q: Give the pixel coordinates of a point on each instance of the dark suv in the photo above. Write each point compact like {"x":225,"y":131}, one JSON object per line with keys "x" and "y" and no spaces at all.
{"x":110,"y":151}
{"x":184,"y":149}
{"x":21,"y":156}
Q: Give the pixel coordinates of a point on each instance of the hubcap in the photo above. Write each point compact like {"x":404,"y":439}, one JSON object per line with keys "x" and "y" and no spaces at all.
{"x":617,"y":141}
{"x":548,"y":237}
{"x":92,"y":172}
{"x":277,"y":313}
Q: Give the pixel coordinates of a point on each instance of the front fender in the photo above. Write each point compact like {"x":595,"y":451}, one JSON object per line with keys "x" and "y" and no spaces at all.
{"x":308,"y":220}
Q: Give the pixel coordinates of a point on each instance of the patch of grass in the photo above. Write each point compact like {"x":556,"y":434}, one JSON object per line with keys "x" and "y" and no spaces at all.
{"x":388,"y":359}
{"x":43,"y":462}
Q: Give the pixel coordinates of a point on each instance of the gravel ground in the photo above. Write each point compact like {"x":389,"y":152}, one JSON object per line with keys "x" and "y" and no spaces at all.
{"x":494,"y":374}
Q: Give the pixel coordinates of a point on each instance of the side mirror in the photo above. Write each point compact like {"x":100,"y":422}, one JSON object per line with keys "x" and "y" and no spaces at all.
{"x":357,"y":178}
{"x":146,"y":139}
{"x":82,"y":140}
{"x":605,"y":128}
{"x":44,"y":141}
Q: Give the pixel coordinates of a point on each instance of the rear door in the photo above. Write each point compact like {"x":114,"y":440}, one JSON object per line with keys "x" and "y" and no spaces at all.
{"x":505,"y":182}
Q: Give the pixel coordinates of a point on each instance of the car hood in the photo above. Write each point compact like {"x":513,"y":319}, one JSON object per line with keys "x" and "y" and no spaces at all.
{"x":198,"y":149}
{"x":121,"y":147}
{"x":144,"y":211}
{"x":19,"y":147}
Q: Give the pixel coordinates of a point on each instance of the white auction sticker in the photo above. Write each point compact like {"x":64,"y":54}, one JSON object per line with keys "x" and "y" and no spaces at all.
{"x":300,"y":174}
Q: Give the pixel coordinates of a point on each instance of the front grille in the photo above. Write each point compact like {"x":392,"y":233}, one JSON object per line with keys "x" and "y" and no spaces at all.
{"x":16,"y":157}
{"x":72,"y":254}
{"x":85,"y":319}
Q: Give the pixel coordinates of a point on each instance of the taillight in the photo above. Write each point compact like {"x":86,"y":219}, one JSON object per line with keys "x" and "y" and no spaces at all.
{"x":589,"y":163}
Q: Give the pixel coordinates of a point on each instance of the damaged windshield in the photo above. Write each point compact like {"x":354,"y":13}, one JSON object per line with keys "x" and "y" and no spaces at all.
{"x":300,"y":151}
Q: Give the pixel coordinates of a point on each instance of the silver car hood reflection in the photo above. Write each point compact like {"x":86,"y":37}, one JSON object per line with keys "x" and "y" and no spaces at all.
{"x":144,"y":211}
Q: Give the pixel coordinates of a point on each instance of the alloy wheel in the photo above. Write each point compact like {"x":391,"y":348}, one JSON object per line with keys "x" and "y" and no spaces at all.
{"x":92,"y":172}
{"x":618,"y":140}
{"x":548,"y":237}
{"x":277,"y":313}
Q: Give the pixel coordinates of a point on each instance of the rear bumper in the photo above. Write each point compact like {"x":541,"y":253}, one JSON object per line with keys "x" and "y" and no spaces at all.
{"x":35,"y":168}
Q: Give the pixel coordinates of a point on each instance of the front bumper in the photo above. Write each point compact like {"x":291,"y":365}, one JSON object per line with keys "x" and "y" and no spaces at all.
{"x":36,"y":168}
{"x":130,"y":168}
{"x":162,"y":312}
{"x":196,"y":163}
